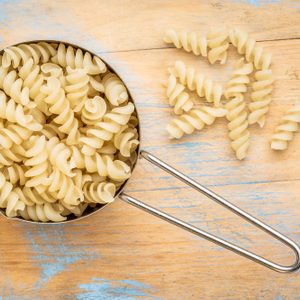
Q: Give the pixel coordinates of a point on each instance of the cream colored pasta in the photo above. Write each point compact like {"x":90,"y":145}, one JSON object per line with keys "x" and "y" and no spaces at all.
{"x":68,"y":134}
{"x":196,"y":81}
{"x":13,"y":134}
{"x":102,"y":192}
{"x":285,"y":130}
{"x":239,"y":79}
{"x":189,"y":41}
{"x":178,"y":97}
{"x":18,"y":55}
{"x":93,"y":110}
{"x":218,"y":44}
{"x":37,"y":161}
{"x":248,"y":47}
{"x":195,"y":119}
{"x":32,"y":78}
{"x":15,"y":174}
{"x":114,"y":89}
{"x":16,"y":113}
{"x":95,"y":86}
{"x":60,"y":106}
{"x":9,"y":199}
{"x":77,"y":59}
{"x":126,"y":140}
{"x":64,"y":188}
{"x":77,"y":87}
{"x":43,"y":213}
{"x":15,"y":88}
{"x":237,"y":116}
{"x":260,"y":97}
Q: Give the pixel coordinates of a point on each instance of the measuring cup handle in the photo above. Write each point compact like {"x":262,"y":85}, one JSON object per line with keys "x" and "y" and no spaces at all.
{"x":199,"y":232}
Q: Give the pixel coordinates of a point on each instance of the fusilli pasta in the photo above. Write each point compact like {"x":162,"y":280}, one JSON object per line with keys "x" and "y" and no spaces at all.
{"x":286,"y":129}
{"x":68,"y":137}
{"x":189,"y":41}
{"x":238,"y":125}
{"x":218,"y":44}
{"x":250,"y":49}
{"x":260,"y":97}
{"x":239,"y":79}
{"x":178,"y":98}
{"x":196,"y":81}
{"x":195,"y":119}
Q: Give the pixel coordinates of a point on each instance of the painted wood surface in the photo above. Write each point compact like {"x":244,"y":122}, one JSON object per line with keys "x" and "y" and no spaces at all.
{"x":123,"y":253}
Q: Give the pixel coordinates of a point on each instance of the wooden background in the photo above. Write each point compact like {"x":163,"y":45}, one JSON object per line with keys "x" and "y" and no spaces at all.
{"x":121,"y":252}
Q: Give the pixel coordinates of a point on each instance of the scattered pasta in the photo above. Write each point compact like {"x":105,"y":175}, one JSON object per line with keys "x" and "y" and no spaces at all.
{"x":196,"y":81}
{"x":260,"y":97}
{"x":239,"y":134}
{"x":239,"y":113}
{"x":68,"y":136}
{"x":178,"y":97}
{"x":286,"y":128}
{"x":189,"y":41}
{"x":195,"y":119}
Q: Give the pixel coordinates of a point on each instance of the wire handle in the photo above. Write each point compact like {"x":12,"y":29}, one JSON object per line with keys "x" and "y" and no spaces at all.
{"x":223,"y":243}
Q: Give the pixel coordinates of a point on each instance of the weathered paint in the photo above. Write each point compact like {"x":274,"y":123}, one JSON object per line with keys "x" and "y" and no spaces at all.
{"x":104,"y":289}
{"x":260,"y":2}
{"x":52,"y":254}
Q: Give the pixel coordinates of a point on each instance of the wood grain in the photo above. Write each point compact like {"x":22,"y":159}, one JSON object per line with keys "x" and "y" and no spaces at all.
{"x":123,"y":253}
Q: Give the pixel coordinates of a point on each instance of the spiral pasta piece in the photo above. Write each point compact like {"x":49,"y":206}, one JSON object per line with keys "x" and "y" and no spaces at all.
{"x":51,"y":130}
{"x":102,"y":192}
{"x":59,"y":156}
{"x":60,"y":106}
{"x":239,"y":79}
{"x":285,"y":130}
{"x":37,"y":161}
{"x":93,"y":110}
{"x":31,"y":196}
{"x":104,"y":165}
{"x":95,"y":86}
{"x":51,"y":70}
{"x":64,"y":188}
{"x":196,"y":81}
{"x":9,"y":199}
{"x":13,"y":134}
{"x":17,"y":55}
{"x":114,"y":89}
{"x":13,"y":87}
{"x":248,"y":47}
{"x":178,"y":98}
{"x":12,"y":155}
{"x":218,"y":44}
{"x":81,"y":178}
{"x":237,"y":116}
{"x":112,"y":121}
{"x":195,"y":119}
{"x":15,"y":174}
{"x":15,"y":113}
{"x":77,"y":87}
{"x":43,"y":213}
{"x":189,"y":41}
{"x":75,"y":58}
{"x":126,"y":140}
{"x":32,"y":79}
{"x":260,"y":97}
